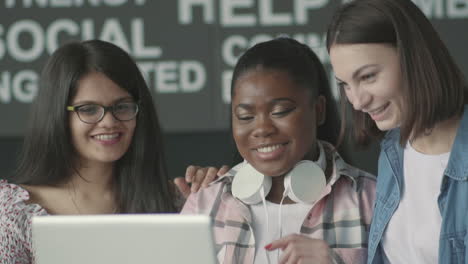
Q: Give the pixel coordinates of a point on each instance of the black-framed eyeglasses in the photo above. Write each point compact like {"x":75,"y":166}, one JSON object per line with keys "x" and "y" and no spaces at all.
{"x":94,"y":113}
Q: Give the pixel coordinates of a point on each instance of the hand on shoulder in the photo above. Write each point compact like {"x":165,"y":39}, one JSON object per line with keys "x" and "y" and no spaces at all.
{"x":197,"y":177}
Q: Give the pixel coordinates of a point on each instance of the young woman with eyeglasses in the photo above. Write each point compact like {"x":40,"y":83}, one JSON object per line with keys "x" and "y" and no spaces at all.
{"x":93,"y":146}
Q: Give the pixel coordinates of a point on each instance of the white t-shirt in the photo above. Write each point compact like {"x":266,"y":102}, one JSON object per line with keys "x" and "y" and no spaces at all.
{"x":292,"y":218}
{"x":412,"y":235}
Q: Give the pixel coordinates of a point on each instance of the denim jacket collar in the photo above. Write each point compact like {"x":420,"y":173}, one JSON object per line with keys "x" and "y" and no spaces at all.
{"x":390,"y":146}
{"x":457,"y":167}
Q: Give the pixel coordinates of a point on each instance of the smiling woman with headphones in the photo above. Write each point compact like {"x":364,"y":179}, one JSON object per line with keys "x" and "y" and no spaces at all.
{"x":292,"y":191}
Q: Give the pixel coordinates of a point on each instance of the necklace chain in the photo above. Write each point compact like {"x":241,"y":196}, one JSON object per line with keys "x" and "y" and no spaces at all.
{"x":114,"y":211}
{"x":73,"y":199}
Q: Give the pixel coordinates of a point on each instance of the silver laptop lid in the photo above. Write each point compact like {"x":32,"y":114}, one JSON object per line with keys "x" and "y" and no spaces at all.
{"x":123,"y":239}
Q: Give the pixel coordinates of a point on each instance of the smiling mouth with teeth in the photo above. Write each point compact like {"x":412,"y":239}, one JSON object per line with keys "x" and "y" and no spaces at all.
{"x":106,"y":136}
{"x":269,"y":148}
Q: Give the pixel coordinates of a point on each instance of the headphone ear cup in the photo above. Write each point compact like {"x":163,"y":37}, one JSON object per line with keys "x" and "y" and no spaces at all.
{"x":248,"y":183}
{"x":305,"y":182}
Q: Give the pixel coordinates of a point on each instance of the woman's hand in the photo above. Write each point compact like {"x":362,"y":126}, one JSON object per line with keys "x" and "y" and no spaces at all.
{"x":301,"y":249}
{"x":198,"y":177}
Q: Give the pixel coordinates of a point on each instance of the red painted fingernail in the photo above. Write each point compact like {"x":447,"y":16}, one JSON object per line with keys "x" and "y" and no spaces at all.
{"x":267,"y":247}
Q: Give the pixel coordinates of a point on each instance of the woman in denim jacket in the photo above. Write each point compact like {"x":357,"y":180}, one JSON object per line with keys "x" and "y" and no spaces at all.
{"x":400,"y":79}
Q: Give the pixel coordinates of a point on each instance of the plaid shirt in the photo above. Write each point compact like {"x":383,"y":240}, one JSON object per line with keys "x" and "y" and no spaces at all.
{"x":341,"y":217}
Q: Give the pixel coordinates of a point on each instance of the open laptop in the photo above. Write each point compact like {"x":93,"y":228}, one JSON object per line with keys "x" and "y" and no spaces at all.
{"x":123,"y":239}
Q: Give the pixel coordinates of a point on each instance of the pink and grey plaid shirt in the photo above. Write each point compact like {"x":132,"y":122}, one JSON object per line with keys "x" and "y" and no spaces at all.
{"x":341,"y":217}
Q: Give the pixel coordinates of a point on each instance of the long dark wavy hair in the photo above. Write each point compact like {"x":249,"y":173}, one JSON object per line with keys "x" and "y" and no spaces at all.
{"x":48,"y":156}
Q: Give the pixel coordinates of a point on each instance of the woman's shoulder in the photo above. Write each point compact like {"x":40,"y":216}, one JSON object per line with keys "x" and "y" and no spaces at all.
{"x":351,"y":185}
{"x":342,"y":168}
{"x":212,"y":191}
{"x":14,"y":196}
{"x":15,"y":206}
{"x":356,"y":180}
{"x":208,"y":197}
{"x":222,"y":184}
{"x":15,"y":221}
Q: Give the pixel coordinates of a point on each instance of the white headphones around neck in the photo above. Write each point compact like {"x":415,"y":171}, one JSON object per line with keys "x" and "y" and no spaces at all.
{"x":303,"y":184}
